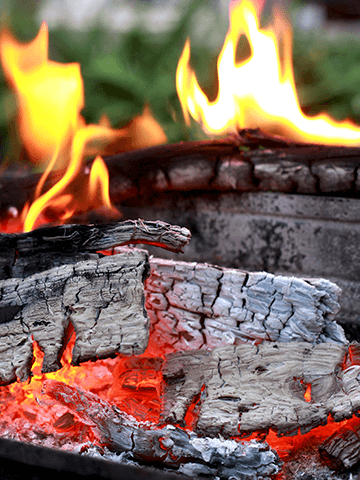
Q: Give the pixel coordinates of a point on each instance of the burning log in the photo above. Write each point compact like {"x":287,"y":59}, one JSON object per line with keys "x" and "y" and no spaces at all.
{"x":24,"y":254}
{"x":249,"y":161}
{"x":172,"y":446}
{"x":342,"y":449}
{"x":245,"y":389}
{"x":202,"y":306}
{"x":57,"y":279}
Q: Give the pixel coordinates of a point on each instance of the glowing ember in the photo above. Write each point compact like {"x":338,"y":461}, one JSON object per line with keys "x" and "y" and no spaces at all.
{"x":260,"y":91}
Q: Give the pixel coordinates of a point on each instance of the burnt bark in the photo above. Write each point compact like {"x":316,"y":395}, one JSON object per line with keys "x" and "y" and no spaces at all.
{"x":172,"y":446}
{"x":53,"y":278}
{"x":194,"y":305}
{"x":102,"y":298}
{"x":246,"y":388}
{"x":25,"y":254}
{"x":342,"y":449}
{"x":248,"y":161}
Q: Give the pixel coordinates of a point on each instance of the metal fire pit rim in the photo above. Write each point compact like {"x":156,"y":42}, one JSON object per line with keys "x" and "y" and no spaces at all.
{"x":84,"y":465}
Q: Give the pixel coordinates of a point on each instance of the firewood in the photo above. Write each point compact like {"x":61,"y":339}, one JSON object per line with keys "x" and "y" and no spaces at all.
{"x":24,"y":254}
{"x":58,"y":279}
{"x":248,"y":388}
{"x":194,"y":305}
{"x":342,"y":449}
{"x":172,"y":446}
{"x":102,"y":298}
{"x":248,"y":161}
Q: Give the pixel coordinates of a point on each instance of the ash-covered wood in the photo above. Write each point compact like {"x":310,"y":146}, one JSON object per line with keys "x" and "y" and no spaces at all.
{"x":248,"y":161}
{"x":172,"y":446}
{"x":194,"y":305}
{"x":103,"y":299}
{"x":247,"y":388}
{"x":24,"y":254}
{"x":342,"y":449}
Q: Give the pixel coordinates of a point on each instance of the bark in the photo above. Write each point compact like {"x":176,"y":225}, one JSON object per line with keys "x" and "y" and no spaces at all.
{"x":102,"y":298}
{"x":342,"y":449}
{"x":246,"y":388}
{"x":25,"y":254}
{"x":248,"y":161}
{"x":194,"y":305}
{"x":170,"y":445}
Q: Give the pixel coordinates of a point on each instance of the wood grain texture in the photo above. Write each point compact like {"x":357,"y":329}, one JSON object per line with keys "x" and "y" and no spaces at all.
{"x":24,"y":254}
{"x":342,"y":449}
{"x":248,"y":388}
{"x":193,"y":306}
{"x":248,"y":161}
{"x":102,"y":298}
{"x":172,"y":446}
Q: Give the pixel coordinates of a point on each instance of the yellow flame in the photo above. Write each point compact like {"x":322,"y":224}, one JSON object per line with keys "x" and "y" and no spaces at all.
{"x":50,"y":95}
{"x":260,"y":91}
{"x":99,"y":184}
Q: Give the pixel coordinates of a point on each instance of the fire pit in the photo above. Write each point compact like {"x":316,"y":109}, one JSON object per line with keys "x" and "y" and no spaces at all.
{"x":228,"y":363}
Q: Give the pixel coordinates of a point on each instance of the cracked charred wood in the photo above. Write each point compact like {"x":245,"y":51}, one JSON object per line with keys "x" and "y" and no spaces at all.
{"x":193,"y":305}
{"x":172,"y":446}
{"x":247,"y":388}
{"x":25,"y":254}
{"x":342,"y":449}
{"x":102,"y":298}
{"x":248,"y":161}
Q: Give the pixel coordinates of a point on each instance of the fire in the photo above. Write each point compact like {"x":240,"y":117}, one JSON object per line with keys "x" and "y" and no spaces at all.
{"x":50,"y":97}
{"x":260,"y":91}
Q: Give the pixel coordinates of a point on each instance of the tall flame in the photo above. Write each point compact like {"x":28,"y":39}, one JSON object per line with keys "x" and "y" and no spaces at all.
{"x":260,"y":91}
{"x":50,"y":97}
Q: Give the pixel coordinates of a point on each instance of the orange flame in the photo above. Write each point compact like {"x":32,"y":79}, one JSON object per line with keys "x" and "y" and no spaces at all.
{"x":260,"y":91}
{"x":50,"y":97}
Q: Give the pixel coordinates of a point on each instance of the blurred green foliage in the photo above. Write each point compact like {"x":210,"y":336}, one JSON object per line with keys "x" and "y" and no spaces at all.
{"x":124,"y":72}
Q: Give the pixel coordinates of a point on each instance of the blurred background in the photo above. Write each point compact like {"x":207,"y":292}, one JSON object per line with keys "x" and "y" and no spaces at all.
{"x":128,"y":51}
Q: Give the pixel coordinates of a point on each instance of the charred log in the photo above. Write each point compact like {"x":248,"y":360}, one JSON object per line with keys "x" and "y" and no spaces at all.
{"x":172,"y":446}
{"x":342,"y":449}
{"x":25,"y":254}
{"x":248,"y":161}
{"x":246,"y":388}
{"x":102,"y":298}
{"x":194,"y":306}
{"x":57,"y":280}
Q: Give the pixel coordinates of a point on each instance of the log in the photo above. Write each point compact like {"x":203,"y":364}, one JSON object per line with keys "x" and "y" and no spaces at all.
{"x":342,"y":449}
{"x":25,"y":254}
{"x":248,"y":161}
{"x":102,"y":298}
{"x":201,"y":306}
{"x":57,"y":280}
{"x":173,"y":447}
{"x":247,"y":388}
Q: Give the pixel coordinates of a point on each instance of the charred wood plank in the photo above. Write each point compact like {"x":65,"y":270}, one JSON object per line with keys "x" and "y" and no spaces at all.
{"x":247,"y":388}
{"x":194,"y":305}
{"x":172,"y":446}
{"x":24,"y":254}
{"x":102,"y":298}
{"x":342,"y":449}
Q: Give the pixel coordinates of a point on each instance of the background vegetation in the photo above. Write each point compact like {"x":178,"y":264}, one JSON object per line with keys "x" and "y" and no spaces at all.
{"x":123,"y":72}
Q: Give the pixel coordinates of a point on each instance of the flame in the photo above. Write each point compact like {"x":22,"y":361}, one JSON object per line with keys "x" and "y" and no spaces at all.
{"x":260,"y":91}
{"x":50,"y":97}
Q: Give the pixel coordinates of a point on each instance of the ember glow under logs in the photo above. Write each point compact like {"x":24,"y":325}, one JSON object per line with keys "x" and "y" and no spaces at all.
{"x":202,"y":355}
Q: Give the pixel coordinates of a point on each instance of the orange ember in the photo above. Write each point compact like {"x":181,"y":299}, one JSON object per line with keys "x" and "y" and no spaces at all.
{"x":259,"y":91}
